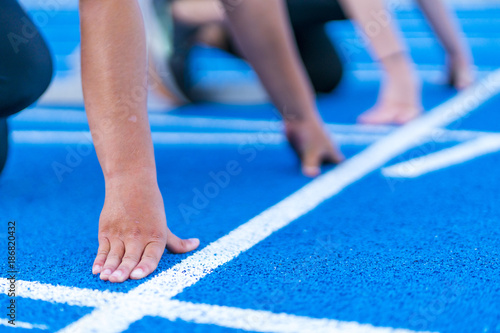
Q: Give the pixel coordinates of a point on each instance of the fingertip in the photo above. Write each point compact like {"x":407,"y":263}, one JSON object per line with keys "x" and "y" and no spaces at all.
{"x":193,"y":243}
{"x":117,"y":276}
{"x":310,"y":171}
{"x":96,"y":269}
{"x":105,"y":274}
{"x":138,"y":274}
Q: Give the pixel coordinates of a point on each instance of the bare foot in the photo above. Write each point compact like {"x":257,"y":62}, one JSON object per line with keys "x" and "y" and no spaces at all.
{"x":390,"y":113}
{"x":133,"y":231}
{"x":312,"y":145}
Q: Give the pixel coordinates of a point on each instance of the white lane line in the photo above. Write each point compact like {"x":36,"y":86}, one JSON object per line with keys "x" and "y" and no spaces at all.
{"x":219,"y":138}
{"x":260,"y":321}
{"x":182,"y":138}
{"x":20,"y":324}
{"x":445,"y":158}
{"x":62,"y":117}
{"x":117,"y":316}
{"x":165,"y":122}
{"x":231,"y":317}
{"x":52,"y":137}
{"x":60,"y":294}
{"x":58,"y":116}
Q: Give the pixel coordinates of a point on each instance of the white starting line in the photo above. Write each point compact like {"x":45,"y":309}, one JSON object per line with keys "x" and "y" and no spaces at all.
{"x":352,"y":135}
{"x":116,"y":314}
{"x":245,"y":319}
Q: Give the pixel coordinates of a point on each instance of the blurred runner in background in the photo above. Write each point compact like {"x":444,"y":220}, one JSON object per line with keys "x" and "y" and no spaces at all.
{"x":189,"y":22}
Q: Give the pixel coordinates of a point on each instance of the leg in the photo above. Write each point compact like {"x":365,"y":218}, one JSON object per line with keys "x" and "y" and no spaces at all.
{"x":26,"y":65}
{"x":25,"y":68}
{"x":319,"y":56}
{"x":132,"y":227}
{"x":269,"y":47}
{"x":313,"y":12}
{"x":400,"y":99}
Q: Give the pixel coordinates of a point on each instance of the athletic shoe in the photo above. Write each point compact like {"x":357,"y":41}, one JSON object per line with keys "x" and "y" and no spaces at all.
{"x":4,"y":144}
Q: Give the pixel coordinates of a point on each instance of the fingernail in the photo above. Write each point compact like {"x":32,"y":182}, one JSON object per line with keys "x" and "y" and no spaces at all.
{"x":107,"y":271}
{"x":311,"y":171}
{"x":194,"y":241}
{"x":96,"y":269}
{"x":137,"y":274}
{"x":117,"y":274}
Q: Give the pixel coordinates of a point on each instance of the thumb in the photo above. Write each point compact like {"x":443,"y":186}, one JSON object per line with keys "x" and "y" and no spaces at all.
{"x":177,"y":245}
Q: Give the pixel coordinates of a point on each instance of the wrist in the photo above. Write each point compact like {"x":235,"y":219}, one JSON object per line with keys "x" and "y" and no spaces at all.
{"x":141,"y":175}
{"x":300,"y":115}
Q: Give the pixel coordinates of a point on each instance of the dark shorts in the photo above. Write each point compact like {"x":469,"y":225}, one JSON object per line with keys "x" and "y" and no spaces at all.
{"x":25,"y":65}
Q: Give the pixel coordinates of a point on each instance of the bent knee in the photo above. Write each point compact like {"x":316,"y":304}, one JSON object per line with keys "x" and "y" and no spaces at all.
{"x":326,"y":80}
{"x":25,"y":87}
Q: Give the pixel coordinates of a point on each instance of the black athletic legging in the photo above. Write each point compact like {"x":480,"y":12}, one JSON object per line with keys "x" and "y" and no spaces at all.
{"x":25,"y":61}
{"x":321,"y":60}
{"x":25,"y":66}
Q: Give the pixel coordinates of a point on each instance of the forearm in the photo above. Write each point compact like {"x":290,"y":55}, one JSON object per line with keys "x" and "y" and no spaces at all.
{"x":445,"y":26}
{"x":114,"y":84}
{"x":262,"y":32}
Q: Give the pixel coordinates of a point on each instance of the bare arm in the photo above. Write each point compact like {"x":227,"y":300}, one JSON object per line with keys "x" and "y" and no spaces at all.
{"x":449,"y":32}
{"x":132,"y":228}
{"x":262,"y":31}
{"x":445,"y":25}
